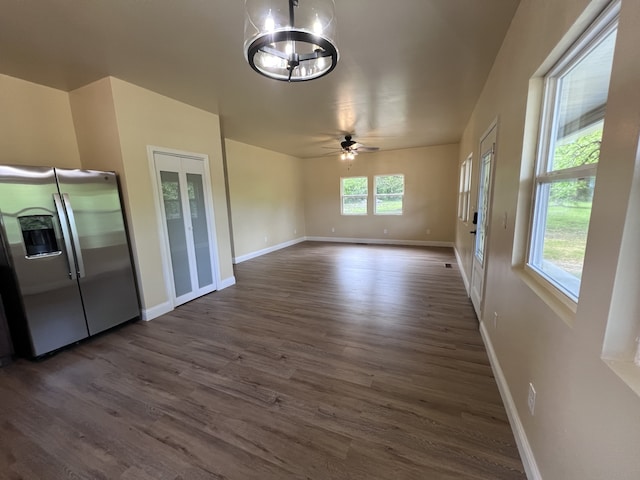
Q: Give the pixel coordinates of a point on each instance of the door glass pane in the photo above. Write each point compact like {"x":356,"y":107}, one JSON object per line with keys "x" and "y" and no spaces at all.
{"x":174,"y":218}
{"x":200,"y":229}
{"x":483,"y":205}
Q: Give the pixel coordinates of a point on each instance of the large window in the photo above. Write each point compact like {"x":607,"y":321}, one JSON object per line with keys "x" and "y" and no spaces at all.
{"x":389,"y":194}
{"x":354,"y":192}
{"x":464,"y":190}
{"x":571,"y":130}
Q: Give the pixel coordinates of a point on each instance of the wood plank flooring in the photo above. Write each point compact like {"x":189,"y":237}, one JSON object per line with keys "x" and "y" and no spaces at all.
{"x":325,"y":361}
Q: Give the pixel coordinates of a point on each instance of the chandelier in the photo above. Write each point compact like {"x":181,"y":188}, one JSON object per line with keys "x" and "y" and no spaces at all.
{"x":290,"y":40}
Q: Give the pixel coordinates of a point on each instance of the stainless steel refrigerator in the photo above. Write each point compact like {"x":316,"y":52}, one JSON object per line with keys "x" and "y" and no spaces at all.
{"x":65,"y":263}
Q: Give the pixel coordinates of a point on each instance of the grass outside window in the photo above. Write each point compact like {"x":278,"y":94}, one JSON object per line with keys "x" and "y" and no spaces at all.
{"x":389,"y":194}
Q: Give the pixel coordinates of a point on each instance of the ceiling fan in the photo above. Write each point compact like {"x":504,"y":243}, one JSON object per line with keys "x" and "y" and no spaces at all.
{"x":350,"y":148}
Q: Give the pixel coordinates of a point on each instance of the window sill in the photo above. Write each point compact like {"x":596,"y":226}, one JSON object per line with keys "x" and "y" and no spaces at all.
{"x":628,"y":372}
{"x":556,"y":300}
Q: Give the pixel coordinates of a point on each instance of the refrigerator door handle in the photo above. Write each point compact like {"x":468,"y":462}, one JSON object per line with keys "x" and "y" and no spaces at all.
{"x":65,"y":236}
{"x":74,"y":234}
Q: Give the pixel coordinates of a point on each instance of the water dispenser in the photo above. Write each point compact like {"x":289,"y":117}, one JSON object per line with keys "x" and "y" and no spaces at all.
{"x":39,"y":235}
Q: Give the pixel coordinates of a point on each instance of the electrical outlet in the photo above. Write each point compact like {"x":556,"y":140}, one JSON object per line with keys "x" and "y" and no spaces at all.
{"x":333,"y":230}
{"x":531,"y":399}
{"x":386,"y":231}
{"x":495,"y":319}
{"x":295,"y":231}
{"x":428,"y":231}
{"x":266,"y":239}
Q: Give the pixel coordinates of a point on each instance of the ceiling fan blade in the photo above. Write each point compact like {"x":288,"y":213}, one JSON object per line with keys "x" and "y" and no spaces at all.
{"x":365,"y":149}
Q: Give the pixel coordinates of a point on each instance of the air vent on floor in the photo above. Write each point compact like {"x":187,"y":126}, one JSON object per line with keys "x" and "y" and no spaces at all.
{"x":447,"y":265}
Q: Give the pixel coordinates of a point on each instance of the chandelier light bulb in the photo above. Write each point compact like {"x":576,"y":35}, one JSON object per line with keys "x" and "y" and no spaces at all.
{"x":268,"y":61}
{"x":269,"y":23}
{"x":289,"y":49}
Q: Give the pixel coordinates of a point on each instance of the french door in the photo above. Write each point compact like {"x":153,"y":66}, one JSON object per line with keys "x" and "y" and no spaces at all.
{"x":478,"y":269}
{"x":187,"y":223}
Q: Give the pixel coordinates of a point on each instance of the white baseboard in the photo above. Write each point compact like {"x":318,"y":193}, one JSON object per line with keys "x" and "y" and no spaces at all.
{"x":264,"y":251}
{"x":381,"y":241}
{"x":463,"y":273}
{"x":526,"y":454}
{"x":227,"y":282}
{"x":156,"y":311}
{"x":166,"y":307}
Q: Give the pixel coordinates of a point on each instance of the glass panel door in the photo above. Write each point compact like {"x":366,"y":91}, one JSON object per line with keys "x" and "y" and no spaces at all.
{"x":200,"y":229}
{"x":188,"y":226}
{"x":175,"y":223}
{"x":483,"y":205}
{"x":487,"y":157}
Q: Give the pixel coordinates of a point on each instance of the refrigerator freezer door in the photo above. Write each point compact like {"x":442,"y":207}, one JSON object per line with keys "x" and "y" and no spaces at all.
{"x":47,"y":295}
{"x":106,"y":278}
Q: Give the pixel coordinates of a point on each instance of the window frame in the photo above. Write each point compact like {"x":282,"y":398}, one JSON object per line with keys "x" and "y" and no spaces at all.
{"x":376,"y":195}
{"x":544,"y":175}
{"x":343,"y":196}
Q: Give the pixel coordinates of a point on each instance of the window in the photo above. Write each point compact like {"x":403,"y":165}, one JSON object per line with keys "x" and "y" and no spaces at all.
{"x":389,"y":194}
{"x":354,"y":192}
{"x":464,"y":190}
{"x":575,"y":98}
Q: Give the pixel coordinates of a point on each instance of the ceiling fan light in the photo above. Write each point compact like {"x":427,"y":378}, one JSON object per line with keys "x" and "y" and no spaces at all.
{"x":299,"y":33}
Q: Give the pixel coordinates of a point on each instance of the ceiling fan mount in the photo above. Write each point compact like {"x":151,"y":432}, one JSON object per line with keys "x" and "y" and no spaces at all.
{"x":347,"y":143}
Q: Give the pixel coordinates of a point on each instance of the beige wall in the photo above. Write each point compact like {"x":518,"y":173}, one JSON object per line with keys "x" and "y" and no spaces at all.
{"x":36,"y":127}
{"x":429,"y":201}
{"x":266,"y":197}
{"x":94,"y":119}
{"x":147,"y":118}
{"x":587,"y":420}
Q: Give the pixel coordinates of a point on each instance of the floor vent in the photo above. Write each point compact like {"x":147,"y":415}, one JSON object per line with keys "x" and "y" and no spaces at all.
{"x":447,"y":265}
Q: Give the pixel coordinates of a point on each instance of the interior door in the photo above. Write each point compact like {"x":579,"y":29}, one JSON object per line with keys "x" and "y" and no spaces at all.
{"x":185,"y":203}
{"x":478,"y":271}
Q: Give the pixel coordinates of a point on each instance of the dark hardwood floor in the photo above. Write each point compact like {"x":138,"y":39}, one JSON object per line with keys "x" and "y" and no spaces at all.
{"x":325,"y":361}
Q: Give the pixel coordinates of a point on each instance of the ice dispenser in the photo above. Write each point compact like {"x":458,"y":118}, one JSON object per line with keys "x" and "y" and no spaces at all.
{"x":39,"y":235}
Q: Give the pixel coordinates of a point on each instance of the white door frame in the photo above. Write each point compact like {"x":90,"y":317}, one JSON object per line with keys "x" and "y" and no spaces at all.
{"x":478,"y":303}
{"x":162,"y":233}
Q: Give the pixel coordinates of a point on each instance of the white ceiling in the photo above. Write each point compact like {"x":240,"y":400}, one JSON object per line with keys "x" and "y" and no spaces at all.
{"x":409,"y":74}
